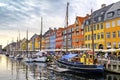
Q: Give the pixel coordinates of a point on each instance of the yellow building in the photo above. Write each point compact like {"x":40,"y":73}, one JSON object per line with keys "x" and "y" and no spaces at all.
{"x":30,"y":45}
{"x":112,"y":27}
{"x":95,"y":22}
{"x":37,"y":43}
{"x":23,"y":44}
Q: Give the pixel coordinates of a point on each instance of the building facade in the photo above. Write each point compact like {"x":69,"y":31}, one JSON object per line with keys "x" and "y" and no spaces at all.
{"x":112,"y":26}
{"x":59,"y":38}
{"x":95,"y":23}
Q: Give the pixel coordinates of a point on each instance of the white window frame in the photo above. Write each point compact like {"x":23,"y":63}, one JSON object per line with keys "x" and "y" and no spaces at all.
{"x":113,"y":23}
{"x":108,"y":25}
{"x":118,"y":22}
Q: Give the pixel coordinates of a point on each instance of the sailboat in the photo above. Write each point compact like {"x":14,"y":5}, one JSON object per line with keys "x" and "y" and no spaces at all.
{"x":79,"y":64}
{"x":28,"y":58}
{"x":19,"y":55}
{"x":41,"y":55}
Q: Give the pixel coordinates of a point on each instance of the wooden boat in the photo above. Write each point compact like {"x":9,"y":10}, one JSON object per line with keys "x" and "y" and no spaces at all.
{"x":80,"y":67}
{"x":82,"y":64}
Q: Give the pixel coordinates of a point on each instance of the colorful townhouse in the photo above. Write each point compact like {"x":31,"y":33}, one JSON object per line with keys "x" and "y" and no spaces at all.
{"x":67,"y":37}
{"x":77,"y":33}
{"x":52,"y":38}
{"x":47,"y":39}
{"x":23,"y":44}
{"x":112,"y":26}
{"x":43,"y":43}
{"x":59,"y":38}
{"x":37,"y":43}
{"x":33,"y":44}
{"x":96,"y":23}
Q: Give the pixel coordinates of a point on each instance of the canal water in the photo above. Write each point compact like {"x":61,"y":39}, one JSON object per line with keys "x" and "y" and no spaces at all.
{"x":11,"y":69}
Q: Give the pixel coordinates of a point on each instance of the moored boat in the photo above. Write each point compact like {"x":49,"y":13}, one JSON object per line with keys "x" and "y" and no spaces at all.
{"x":67,"y":61}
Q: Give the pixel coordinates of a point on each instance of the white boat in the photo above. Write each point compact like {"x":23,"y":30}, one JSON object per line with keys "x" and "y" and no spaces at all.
{"x":19,"y":57}
{"x":40,"y":56}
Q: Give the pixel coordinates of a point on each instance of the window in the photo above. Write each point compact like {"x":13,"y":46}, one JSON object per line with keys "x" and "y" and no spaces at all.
{"x":94,"y":27}
{"x":98,"y":36}
{"x":82,"y":32}
{"x":101,"y":25}
{"x":97,"y":26}
{"x":118,"y":11}
{"x":82,"y":27}
{"x":114,"y":34}
{"x":72,"y":29}
{"x":107,"y":25}
{"x":114,"y":44}
{"x":108,"y":35}
{"x":102,"y":35}
{"x":118,"y":22}
{"x":77,"y":33}
{"x":110,"y":14}
{"x":108,"y":44}
{"x":88,"y":37}
{"x":119,"y":34}
{"x":88,"y":45}
{"x":85,"y":37}
{"x":113,"y":24}
{"x":94,"y":36}
{"x":77,"y":28}
{"x":99,"y":18}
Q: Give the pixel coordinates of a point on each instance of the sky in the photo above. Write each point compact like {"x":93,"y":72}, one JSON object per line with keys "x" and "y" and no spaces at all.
{"x":16,"y":16}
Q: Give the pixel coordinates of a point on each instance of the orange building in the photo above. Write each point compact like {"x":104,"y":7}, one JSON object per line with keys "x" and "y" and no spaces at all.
{"x":77,"y":33}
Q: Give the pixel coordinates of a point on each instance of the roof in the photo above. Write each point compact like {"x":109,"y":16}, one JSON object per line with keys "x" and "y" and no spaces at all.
{"x":98,"y":15}
{"x":114,"y":9}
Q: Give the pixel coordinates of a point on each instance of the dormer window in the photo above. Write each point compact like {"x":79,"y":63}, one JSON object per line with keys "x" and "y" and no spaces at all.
{"x":99,"y":18}
{"x":118,"y":11}
{"x":110,"y":14}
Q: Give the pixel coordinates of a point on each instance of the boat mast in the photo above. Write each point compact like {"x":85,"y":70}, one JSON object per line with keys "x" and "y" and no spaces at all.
{"x":41,"y":35}
{"x":92,"y":19}
{"x":19,"y":43}
{"x":27,"y":42}
{"x":67,"y":27}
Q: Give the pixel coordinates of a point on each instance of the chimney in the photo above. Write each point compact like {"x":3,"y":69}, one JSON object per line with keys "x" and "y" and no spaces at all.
{"x":103,"y":5}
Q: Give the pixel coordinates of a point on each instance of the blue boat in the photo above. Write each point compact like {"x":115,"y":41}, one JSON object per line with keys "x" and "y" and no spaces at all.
{"x":79,"y":67}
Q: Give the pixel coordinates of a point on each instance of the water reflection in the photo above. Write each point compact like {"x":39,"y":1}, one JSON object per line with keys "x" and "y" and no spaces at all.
{"x":11,"y":69}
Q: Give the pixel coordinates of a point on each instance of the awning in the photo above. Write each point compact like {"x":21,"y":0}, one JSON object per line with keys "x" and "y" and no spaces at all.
{"x":69,"y":56}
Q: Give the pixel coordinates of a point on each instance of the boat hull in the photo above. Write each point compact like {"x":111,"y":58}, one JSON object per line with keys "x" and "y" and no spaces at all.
{"x":40,"y":59}
{"x":81,"y":68}
{"x":28,"y":60}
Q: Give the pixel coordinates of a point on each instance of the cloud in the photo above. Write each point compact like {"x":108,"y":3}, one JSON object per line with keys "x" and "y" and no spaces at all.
{"x":26,"y":14}
{"x":3,"y":4}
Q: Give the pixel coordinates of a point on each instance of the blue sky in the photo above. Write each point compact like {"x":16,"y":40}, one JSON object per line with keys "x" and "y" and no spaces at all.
{"x":19,"y":15}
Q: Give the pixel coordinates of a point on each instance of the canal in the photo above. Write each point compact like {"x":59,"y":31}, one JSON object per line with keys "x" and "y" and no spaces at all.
{"x":11,"y":69}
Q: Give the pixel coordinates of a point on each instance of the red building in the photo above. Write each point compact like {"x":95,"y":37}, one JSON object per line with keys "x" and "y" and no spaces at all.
{"x":59,"y":38}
